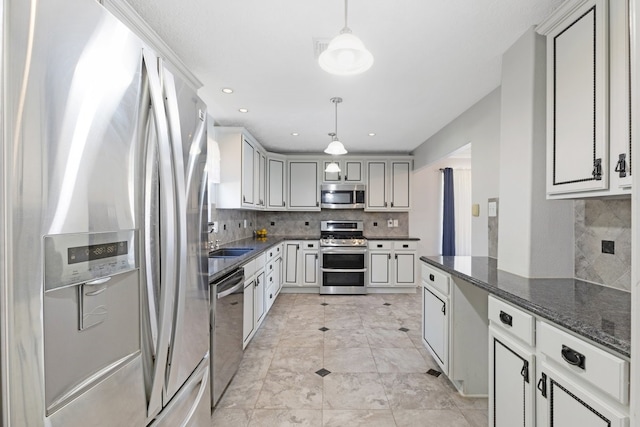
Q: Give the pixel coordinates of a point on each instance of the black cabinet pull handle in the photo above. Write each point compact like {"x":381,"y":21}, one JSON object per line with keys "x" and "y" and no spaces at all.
{"x":572,"y":357}
{"x":621,"y":166}
{"x":317,"y":204}
{"x":405,"y":246}
{"x":542,"y":385}
{"x":283,"y":203}
{"x":444,"y":309}
{"x":396,"y":256}
{"x":391,"y":204}
{"x":385,"y":204}
{"x":389,"y":256}
{"x":379,"y":246}
{"x":597,"y":169}
{"x":346,"y":178}
{"x":525,"y":371}
{"x":505,"y":318}
{"x":432,"y":277}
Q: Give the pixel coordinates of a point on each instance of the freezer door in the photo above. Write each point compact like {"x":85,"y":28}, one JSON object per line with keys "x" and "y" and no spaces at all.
{"x":186,"y":115}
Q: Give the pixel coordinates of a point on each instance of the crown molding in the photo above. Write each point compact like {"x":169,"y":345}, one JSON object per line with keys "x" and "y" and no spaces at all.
{"x":128,"y":16}
{"x":558,"y":15}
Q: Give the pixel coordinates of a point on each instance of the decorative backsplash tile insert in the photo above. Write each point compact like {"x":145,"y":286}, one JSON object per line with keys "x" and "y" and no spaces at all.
{"x":598,"y":220}
{"x":493,"y":229}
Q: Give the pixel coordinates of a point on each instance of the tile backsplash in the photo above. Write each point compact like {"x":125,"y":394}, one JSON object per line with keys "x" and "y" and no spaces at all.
{"x":231,"y":223}
{"x":598,"y":220}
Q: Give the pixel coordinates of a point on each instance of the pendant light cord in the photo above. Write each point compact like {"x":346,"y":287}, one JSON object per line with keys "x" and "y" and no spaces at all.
{"x":345,"y":13}
{"x":336,"y":103}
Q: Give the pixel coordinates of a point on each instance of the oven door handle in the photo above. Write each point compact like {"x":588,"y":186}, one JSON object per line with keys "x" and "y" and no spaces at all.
{"x":344,"y":270}
{"x":343,"y":252}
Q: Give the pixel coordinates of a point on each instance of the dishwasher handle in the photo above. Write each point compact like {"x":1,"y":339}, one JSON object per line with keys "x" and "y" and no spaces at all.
{"x":229,"y":284}
{"x":231,"y":291}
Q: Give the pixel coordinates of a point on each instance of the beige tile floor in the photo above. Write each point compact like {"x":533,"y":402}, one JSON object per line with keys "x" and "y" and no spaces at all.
{"x":378,"y":372}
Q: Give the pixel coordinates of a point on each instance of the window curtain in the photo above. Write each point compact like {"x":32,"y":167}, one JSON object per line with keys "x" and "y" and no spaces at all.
{"x":448,"y":214}
{"x":462,"y":202}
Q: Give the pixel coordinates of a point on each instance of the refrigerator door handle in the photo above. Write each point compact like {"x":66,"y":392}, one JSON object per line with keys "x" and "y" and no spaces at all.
{"x":168,"y":209}
{"x":180,"y":237}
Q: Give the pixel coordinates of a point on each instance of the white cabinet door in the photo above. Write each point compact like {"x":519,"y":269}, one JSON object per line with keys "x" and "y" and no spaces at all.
{"x":260,"y":187}
{"x":292,"y":264}
{"x":564,"y":402}
{"x":248,"y":310}
{"x":310,"y":266}
{"x":405,"y":268}
{"x":379,"y":268}
{"x":376,"y":185}
{"x":259,"y":301}
{"x":276,"y":184}
{"x":303,"y":185}
{"x":400,"y":179}
{"x":620,"y":96}
{"x":435,"y":325}
{"x":511,"y":382}
{"x":248,"y":172}
{"x":353,"y":171}
{"x":577,"y":96}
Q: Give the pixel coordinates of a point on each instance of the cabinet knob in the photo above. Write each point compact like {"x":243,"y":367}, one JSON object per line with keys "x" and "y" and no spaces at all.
{"x":432,"y":277}
{"x":317,"y":204}
{"x":396,"y":256}
{"x":283,"y":203}
{"x":388,"y":256}
{"x":391,"y":204}
{"x":385,"y":204}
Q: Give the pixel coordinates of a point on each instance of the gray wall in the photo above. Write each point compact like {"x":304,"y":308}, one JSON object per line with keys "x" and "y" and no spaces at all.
{"x":480,"y":126}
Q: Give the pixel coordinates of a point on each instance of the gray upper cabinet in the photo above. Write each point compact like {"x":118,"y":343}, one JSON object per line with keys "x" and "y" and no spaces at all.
{"x":588,"y":99}
{"x":351,"y":171}
{"x":304,"y":186}
{"x":276,"y":183}
{"x":388,"y":185}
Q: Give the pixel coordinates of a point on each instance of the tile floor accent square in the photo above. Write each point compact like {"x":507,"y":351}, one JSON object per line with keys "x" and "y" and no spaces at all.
{"x":323,"y":329}
{"x":434,"y":372}
{"x":404,"y":329}
{"x":323,"y":372}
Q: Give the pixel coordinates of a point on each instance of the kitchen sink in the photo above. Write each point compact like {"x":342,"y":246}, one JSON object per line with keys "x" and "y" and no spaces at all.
{"x":229,"y":252}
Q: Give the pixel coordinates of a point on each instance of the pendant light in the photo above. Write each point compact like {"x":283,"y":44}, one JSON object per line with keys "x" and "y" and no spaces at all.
{"x":346,"y":54}
{"x":335,"y":147}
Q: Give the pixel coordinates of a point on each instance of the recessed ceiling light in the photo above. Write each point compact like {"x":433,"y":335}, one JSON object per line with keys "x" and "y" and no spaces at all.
{"x":295,"y":133}
{"x":227,"y":90}
{"x":372,"y":134}
{"x":243,"y":110}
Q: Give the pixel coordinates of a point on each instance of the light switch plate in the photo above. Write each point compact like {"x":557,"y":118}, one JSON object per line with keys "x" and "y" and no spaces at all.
{"x":493,"y":209}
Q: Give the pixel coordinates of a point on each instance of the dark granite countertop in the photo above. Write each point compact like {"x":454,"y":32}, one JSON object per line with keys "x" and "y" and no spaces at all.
{"x":392,"y":238}
{"x":596,"y":312}
{"x":219,"y":267}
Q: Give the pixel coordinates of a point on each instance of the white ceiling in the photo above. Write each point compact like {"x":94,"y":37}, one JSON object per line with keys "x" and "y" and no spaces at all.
{"x":433,"y":60}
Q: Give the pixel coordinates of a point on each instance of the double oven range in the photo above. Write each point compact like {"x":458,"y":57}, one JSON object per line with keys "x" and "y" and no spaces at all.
{"x":343,"y":258}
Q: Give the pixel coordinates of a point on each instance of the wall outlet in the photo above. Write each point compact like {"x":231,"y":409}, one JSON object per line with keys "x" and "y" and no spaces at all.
{"x":245,"y":223}
{"x":389,"y":223}
{"x":214,"y":227}
{"x":493,"y":209}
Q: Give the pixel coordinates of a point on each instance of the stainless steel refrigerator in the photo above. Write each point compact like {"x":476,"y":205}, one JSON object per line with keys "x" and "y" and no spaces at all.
{"x":104,"y":310}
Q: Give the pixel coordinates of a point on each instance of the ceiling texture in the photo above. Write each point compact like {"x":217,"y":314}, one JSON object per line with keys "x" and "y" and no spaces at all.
{"x":433,"y":60}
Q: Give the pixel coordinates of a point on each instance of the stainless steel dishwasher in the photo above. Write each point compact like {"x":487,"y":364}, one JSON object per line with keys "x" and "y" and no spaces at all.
{"x":227,"y":296}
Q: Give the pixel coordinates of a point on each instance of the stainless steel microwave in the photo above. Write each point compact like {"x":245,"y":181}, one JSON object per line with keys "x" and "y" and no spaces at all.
{"x":342,"y":196}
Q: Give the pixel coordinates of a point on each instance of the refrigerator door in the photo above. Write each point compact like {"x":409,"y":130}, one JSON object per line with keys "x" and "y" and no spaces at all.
{"x":186,"y":115}
{"x":71,"y":95}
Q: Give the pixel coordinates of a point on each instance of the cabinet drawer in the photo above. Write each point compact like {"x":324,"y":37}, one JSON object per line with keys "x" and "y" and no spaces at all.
{"x":513,"y":320}
{"x":436,"y":278}
{"x":271,"y":266}
{"x":260,"y":261}
{"x":378,"y":245}
{"x":249,"y":268}
{"x":306,"y":244}
{"x":273,"y":252}
{"x":605,"y":371}
{"x":405,"y":245}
